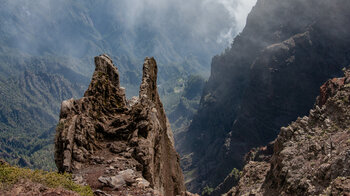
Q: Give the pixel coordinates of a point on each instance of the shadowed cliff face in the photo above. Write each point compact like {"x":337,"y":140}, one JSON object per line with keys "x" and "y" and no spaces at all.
{"x":116,"y":145}
{"x":311,"y":156}
{"x":268,"y":77}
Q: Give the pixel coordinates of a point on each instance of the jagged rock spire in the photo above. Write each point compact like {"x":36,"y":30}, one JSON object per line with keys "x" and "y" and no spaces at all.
{"x":105,"y":83}
{"x":148,"y":86}
{"x":117,"y":146}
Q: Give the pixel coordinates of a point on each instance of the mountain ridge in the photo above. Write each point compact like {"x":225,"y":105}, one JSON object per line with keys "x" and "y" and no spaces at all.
{"x":268,"y":77}
{"x":310,"y":156}
{"x":58,"y":38}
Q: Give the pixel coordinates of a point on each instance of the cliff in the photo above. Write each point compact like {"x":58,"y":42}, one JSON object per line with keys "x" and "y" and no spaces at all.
{"x":269,"y":77}
{"x":119,"y":146}
{"x":311,"y":155}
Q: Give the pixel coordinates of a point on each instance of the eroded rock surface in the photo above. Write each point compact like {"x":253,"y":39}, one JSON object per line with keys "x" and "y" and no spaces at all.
{"x":116,"y":146}
{"x":311,"y":156}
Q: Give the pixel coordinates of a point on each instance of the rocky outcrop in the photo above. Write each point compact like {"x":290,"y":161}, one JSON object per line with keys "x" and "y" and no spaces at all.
{"x":253,"y":173}
{"x":269,"y":76}
{"x":311,"y":156}
{"x":329,"y":89}
{"x":119,"y":146}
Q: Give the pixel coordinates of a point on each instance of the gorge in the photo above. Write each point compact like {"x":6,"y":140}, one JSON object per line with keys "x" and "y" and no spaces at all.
{"x":272,"y":119}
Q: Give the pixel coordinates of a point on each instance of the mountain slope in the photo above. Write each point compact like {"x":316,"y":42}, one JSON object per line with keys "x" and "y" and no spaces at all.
{"x":23,"y":181}
{"x":45,"y":50}
{"x":266,"y":79}
{"x":311,"y":155}
{"x":81,"y":29}
{"x":29,"y":107}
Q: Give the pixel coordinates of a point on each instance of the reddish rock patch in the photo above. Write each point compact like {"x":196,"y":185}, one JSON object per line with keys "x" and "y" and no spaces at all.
{"x":328,"y":89}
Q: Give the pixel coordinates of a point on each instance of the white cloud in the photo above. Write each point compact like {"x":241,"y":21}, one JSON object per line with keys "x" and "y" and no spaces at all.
{"x":238,"y":11}
{"x":215,"y":20}
{"x":195,"y":27}
{"x":242,"y":10}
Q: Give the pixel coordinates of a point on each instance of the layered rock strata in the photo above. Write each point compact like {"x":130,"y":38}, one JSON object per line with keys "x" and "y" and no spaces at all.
{"x":119,"y":146}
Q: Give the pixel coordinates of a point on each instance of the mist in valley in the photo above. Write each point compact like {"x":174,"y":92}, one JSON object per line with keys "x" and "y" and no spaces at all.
{"x":47,"y":49}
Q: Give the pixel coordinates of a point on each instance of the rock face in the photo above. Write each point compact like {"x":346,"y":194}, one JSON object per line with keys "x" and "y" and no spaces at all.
{"x":311,"y":156}
{"x":118,"y":146}
{"x":270,"y":76}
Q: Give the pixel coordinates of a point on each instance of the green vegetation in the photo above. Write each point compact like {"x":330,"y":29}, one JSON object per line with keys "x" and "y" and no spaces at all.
{"x":324,"y":132}
{"x":100,"y":74}
{"x":29,"y":107}
{"x":207,"y":190}
{"x":182,"y":102}
{"x":236,"y":173}
{"x":194,"y":87}
{"x":60,"y":63}
{"x":30,"y":102}
{"x":10,"y":175}
{"x":60,"y":126}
